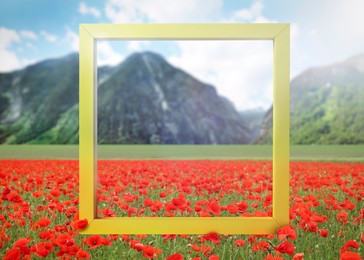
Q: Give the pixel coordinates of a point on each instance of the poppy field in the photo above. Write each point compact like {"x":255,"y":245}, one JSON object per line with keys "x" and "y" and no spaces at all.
{"x":39,"y":209}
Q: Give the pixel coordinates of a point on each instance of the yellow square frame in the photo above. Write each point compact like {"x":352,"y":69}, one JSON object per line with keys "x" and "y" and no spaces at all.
{"x":89,"y":34}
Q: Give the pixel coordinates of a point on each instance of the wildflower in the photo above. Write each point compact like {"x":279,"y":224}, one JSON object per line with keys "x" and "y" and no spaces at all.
{"x":349,"y":244}
{"x":214,"y":237}
{"x":298,"y":256}
{"x":42,"y":249}
{"x":270,"y":257}
{"x":286,"y":231}
{"x":93,"y":241}
{"x":350,"y":256}
{"x":175,"y":256}
{"x":239,"y":242}
{"x":285,"y":248}
{"x":324,"y":232}
{"x":150,"y":252}
{"x":79,"y":224}
{"x":260,"y":246}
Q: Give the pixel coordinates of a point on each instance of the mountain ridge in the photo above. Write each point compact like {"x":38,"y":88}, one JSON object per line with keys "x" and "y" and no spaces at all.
{"x":40,"y":120}
{"x":326,"y":105}
{"x":39,"y":104}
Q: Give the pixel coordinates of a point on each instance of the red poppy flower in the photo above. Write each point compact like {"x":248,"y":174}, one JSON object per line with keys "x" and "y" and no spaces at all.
{"x":214,"y":237}
{"x":14,"y":197}
{"x":12,"y":254}
{"x":22,"y":242}
{"x":342,"y":216}
{"x":64,"y":240}
{"x":286,"y":231}
{"x":324,"y":232}
{"x":22,"y":245}
{"x":136,"y":244}
{"x":108,"y":212}
{"x":44,"y":222}
{"x":55,"y":192}
{"x":285,"y":248}
{"x":151,"y":252}
{"x":42,"y":249}
{"x":206,"y":250}
{"x":79,"y":224}
{"x":178,"y":202}
{"x":214,"y":208}
{"x":46,"y":235}
{"x":270,"y":257}
{"x":82,"y":254}
{"x":260,"y":246}
{"x":233,"y":209}
{"x":195,"y":248}
{"x":348,"y":244}
{"x":148,"y":202}
{"x":94,"y":241}
{"x":298,"y":256}
{"x":350,"y":256}
{"x":312,"y":226}
{"x":175,"y":256}
{"x":162,"y":194}
{"x":239,"y":242}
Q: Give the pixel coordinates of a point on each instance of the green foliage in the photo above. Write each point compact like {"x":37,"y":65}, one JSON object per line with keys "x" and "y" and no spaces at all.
{"x":327,"y":106}
{"x":334,"y":116}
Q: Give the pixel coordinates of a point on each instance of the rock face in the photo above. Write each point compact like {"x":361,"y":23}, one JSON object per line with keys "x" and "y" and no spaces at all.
{"x":327,"y":105}
{"x":144,"y":100}
{"x":36,"y":99}
{"x":148,"y":101}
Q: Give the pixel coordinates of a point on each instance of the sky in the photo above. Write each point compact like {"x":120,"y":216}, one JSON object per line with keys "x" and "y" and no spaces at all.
{"x":322,"y":32}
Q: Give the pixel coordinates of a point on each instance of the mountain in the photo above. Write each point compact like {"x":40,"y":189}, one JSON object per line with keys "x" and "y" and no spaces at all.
{"x":254,"y":119}
{"x":327,"y":105}
{"x":142,"y":100}
{"x":33,"y":100}
{"x":146,"y":100}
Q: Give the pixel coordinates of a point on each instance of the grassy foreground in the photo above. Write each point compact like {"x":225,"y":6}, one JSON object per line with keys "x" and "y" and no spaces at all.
{"x":250,"y":152}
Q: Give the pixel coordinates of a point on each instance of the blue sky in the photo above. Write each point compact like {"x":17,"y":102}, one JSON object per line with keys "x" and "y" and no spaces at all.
{"x":322,"y":32}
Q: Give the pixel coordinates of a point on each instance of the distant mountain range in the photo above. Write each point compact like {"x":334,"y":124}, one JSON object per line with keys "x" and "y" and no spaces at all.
{"x":145,"y":100}
{"x":327,"y":105}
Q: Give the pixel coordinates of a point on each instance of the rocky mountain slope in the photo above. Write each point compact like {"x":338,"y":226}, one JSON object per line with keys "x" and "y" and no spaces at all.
{"x":36,"y":98}
{"x":142,"y":100}
{"x":327,"y":105}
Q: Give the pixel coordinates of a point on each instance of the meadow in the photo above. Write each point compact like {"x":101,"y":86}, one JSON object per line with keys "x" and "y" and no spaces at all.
{"x":39,"y":202}
{"x":242,"y":152}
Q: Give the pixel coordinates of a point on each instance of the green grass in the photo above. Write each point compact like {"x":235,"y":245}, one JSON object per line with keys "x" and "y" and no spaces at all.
{"x":249,"y":152}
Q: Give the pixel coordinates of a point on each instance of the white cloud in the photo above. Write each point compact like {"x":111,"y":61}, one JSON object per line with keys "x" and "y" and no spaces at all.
{"x":9,"y":60}
{"x":27,"y":62}
{"x":240,"y":70}
{"x":106,"y":55}
{"x":251,"y":13}
{"x":8,"y":37}
{"x":122,"y":11}
{"x":84,"y":9}
{"x":72,"y":38}
{"x":137,"y":45}
{"x":28,"y":35}
{"x":48,"y":37}
{"x":340,"y":32}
